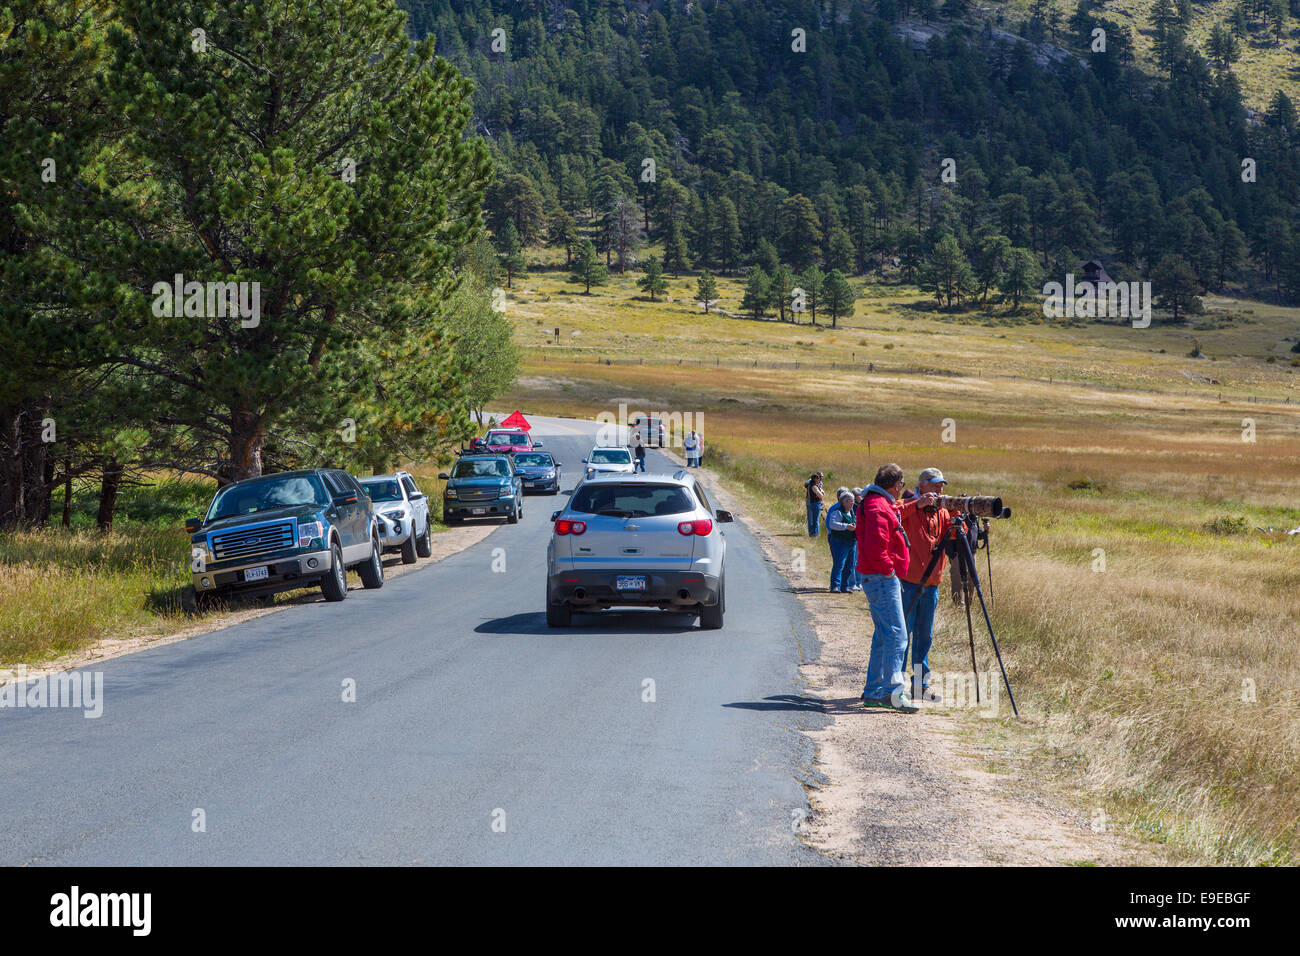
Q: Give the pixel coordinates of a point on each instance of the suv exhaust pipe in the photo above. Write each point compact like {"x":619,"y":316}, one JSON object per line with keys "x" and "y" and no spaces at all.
{"x":579,"y":593}
{"x":684,"y":594}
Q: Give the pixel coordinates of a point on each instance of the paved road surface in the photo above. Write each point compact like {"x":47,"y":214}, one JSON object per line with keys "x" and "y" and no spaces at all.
{"x":467,"y":704}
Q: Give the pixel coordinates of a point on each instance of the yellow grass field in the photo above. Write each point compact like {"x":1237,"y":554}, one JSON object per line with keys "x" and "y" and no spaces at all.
{"x":1148,"y":626}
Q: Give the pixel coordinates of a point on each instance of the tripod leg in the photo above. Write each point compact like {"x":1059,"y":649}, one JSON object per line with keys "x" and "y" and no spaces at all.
{"x":970,"y":633}
{"x":969,"y":559}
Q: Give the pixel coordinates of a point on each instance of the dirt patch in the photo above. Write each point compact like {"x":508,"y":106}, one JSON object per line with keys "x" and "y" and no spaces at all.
{"x":914,"y":789}
{"x":444,"y":544}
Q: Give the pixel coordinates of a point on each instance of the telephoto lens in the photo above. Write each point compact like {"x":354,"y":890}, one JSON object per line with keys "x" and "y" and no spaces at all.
{"x":979,"y":506}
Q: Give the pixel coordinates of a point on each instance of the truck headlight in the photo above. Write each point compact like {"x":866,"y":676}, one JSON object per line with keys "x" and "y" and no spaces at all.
{"x":452,"y":493}
{"x":309,"y":531}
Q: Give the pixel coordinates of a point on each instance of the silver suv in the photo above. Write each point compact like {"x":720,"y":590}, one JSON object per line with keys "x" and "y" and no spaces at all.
{"x":640,"y":541}
{"x":402,"y":513}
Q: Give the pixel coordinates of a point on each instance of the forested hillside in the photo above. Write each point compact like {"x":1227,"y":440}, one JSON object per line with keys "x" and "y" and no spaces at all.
{"x":834,"y":130}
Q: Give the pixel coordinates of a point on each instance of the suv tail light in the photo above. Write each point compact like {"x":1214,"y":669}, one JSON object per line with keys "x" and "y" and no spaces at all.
{"x":565,"y":526}
{"x":700,"y":526}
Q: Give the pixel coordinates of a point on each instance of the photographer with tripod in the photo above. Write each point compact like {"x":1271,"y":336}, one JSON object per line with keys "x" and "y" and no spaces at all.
{"x":882,"y":556}
{"x":925,"y":526}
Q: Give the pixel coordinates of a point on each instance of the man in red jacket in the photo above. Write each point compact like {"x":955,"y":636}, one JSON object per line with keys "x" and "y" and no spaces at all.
{"x":883,"y":554}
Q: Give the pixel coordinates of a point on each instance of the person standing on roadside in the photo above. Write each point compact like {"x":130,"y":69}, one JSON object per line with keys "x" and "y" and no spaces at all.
{"x":841,"y":533}
{"x":691,"y":445}
{"x":813,"y":494}
{"x":925,"y":527}
{"x":640,"y":455}
{"x":853,"y":568}
{"x":882,"y":557}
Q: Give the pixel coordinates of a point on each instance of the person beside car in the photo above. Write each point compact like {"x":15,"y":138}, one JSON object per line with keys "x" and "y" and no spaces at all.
{"x":639,"y":452}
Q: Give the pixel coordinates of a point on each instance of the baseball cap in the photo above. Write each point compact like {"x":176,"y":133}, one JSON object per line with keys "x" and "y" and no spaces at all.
{"x":932,"y":474}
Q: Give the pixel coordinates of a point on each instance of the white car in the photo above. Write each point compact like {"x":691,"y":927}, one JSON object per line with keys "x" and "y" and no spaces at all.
{"x":609,"y":459}
{"x":403,"y":514}
{"x":641,"y":541}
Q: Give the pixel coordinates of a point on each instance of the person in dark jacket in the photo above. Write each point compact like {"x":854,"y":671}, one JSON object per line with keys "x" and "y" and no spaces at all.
{"x":883,"y":554}
{"x":813,"y":494}
{"x":640,"y":455}
{"x":841,"y":532}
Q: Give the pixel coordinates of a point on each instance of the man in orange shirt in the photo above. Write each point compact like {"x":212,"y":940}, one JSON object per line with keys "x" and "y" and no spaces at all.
{"x":925,"y":527}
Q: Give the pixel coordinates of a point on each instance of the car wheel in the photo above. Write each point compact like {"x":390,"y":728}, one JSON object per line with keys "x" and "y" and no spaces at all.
{"x":408,"y":548}
{"x":558,"y":615}
{"x":513,"y":517}
{"x":372,"y":572}
{"x":335,"y":584}
{"x":711,"y":617}
{"x":448,"y":520}
{"x":423,"y":546}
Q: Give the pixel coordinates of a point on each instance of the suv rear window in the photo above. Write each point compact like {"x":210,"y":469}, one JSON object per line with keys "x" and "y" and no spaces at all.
{"x":631,"y":501}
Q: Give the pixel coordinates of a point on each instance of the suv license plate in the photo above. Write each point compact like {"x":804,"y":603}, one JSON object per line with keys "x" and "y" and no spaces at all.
{"x":630,"y":583}
{"x":255,"y":574}
{"x":480,"y":511}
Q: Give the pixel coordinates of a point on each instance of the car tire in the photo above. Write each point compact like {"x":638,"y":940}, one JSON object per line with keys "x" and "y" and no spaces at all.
{"x":558,"y":615}
{"x":448,"y":520}
{"x":513,"y":517}
{"x":408,"y":548}
{"x":711,"y":616}
{"x":423,"y":546}
{"x":372,"y":571}
{"x":334,"y":586}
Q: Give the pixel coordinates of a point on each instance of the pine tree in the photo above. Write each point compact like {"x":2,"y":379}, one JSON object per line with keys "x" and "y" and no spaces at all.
{"x":676,"y":258}
{"x":1175,"y":286}
{"x":587,"y":267}
{"x":946,"y":272}
{"x":813,"y":282}
{"x":653,"y":280}
{"x":839,"y":296}
{"x":757,"y":292}
{"x":706,"y":289}
{"x":512,"y":258}
{"x":1021,"y":278}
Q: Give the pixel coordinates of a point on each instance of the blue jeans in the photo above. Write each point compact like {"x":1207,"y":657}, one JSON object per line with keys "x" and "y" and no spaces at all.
{"x":842,"y":555}
{"x":640,"y":464}
{"x":889,"y":642}
{"x":921,"y":623}
{"x":814,"y":518}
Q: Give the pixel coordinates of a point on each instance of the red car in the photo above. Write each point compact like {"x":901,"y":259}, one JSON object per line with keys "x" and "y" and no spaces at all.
{"x":509,"y":441}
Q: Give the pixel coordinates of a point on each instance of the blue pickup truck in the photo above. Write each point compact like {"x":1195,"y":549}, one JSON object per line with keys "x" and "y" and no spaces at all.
{"x":279,"y":532}
{"x":482,"y":486}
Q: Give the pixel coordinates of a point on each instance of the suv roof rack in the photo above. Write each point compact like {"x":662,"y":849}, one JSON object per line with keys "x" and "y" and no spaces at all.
{"x":681,"y":474}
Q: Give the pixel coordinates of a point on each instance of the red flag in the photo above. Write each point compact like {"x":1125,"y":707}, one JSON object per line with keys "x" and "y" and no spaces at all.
{"x":516,"y":420}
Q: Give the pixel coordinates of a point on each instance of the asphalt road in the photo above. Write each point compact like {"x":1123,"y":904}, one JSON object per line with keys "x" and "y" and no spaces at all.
{"x":478,"y":735}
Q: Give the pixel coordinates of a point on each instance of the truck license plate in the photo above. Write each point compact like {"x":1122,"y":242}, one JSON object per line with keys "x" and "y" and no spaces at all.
{"x":480,"y":511}
{"x":255,"y":574}
{"x":627,"y":582}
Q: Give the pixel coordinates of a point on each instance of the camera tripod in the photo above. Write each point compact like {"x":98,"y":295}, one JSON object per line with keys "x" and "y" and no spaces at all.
{"x":956,"y":542}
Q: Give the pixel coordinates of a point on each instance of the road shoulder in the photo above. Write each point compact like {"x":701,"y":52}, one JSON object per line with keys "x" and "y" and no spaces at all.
{"x":911,"y":789}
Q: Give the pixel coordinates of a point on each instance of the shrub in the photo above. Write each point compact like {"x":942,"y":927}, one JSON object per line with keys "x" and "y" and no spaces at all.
{"x":1227,"y":524}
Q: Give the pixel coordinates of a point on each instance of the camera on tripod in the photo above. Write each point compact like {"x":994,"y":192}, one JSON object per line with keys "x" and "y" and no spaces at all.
{"x":977,"y":506}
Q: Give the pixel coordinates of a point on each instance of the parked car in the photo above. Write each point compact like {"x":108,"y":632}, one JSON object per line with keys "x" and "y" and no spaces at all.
{"x":649,"y":430}
{"x":482,"y":486}
{"x":539,"y":471}
{"x":290,"y":530}
{"x":643,"y":541}
{"x":403,"y":514}
{"x":609,"y":459}
{"x":509,"y":441}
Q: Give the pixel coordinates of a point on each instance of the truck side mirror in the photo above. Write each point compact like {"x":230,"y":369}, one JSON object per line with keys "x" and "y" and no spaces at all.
{"x":193,"y":524}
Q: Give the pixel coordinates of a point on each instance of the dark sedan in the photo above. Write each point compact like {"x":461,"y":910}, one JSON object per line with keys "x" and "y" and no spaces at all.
{"x":539,"y":471}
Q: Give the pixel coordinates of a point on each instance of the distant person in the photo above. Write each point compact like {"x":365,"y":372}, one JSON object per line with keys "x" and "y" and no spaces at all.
{"x":882,"y":557}
{"x":926,"y":527}
{"x":640,"y":455}
{"x":841,"y":533}
{"x":813,"y":494}
{"x":692,"y":446}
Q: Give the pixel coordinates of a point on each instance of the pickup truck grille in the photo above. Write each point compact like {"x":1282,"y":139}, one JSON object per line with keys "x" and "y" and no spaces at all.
{"x":478,"y":494}
{"x":251,"y":542}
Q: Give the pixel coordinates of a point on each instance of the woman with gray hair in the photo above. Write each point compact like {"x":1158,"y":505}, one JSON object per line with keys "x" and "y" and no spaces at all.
{"x":841,"y":532}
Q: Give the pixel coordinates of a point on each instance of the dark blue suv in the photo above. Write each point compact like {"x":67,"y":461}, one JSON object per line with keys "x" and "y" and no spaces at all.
{"x":482,"y":486}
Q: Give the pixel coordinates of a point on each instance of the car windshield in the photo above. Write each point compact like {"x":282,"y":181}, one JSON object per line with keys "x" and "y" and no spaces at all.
{"x":610,"y":456}
{"x":507,"y":438}
{"x":532,"y":458}
{"x":265,"y":494}
{"x":631,"y":501}
{"x":386,"y":490}
{"x":483,"y":468}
